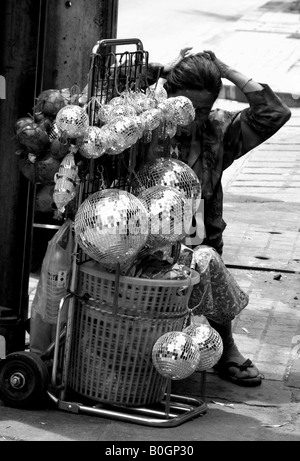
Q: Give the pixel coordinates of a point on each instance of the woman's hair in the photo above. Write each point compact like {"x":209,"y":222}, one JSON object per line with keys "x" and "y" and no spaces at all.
{"x":195,"y":72}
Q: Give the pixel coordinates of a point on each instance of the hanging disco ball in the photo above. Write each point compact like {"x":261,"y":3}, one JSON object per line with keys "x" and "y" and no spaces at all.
{"x":169,"y":172}
{"x":167,"y":109}
{"x":210,"y":345}
{"x":175,"y":355}
{"x":140,"y":124}
{"x":72,"y":120}
{"x":141,"y":102}
{"x":111,"y":226}
{"x":151,"y":118}
{"x":184,"y":111}
{"x":120,"y":110}
{"x":168,"y":129}
{"x":114,"y":145}
{"x":94,"y":143}
{"x":104,"y":112}
{"x":116,"y":101}
{"x":156,"y":92}
{"x":108,"y":112}
{"x":124,"y":130}
{"x":121,"y":133}
{"x":168,"y":220}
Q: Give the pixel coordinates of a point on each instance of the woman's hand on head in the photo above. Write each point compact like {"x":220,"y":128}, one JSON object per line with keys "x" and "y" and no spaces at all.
{"x":243,"y":82}
{"x":223,"y":68}
{"x":185,"y":52}
{"x":182,"y":54}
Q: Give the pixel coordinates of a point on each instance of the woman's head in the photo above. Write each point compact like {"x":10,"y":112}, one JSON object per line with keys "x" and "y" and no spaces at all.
{"x":194,"y":72}
{"x":198,"y":78}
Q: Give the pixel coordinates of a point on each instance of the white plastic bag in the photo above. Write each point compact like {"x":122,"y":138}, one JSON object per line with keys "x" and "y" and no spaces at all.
{"x":52,"y":286}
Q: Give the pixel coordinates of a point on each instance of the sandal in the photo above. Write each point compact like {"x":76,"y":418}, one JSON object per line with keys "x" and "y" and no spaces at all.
{"x":245,"y":374}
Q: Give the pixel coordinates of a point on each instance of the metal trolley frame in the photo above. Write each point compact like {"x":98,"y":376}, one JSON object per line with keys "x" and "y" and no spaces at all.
{"x":25,"y":376}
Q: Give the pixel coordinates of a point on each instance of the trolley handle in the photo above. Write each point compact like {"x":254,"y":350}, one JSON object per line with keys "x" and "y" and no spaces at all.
{"x":117,"y":42}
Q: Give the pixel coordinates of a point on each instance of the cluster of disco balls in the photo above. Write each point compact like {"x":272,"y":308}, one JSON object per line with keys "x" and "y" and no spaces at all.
{"x":178,"y":354}
{"x":118,"y":124}
{"x":112,"y":226}
{"x":61,"y":124}
{"x":124,"y":120}
{"x":60,"y":118}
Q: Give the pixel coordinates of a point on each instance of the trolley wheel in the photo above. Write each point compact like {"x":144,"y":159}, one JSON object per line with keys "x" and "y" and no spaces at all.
{"x":24,"y":379}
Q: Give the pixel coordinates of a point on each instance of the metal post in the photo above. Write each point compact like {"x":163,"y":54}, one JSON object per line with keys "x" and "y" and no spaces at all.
{"x":71,"y":30}
{"x":43,"y":44}
{"x":18,"y":59}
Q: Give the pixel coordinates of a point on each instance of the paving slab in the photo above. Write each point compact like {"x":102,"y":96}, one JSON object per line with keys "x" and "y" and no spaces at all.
{"x":262,"y":203}
{"x":262,"y":248}
{"x":268,"y":329}
{"x":234,"y":414}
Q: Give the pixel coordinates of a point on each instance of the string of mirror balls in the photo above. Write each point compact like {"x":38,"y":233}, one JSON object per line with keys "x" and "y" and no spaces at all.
{"x":125,"y":119}
{"x":178,"y":354}
{"x":113,"y":226}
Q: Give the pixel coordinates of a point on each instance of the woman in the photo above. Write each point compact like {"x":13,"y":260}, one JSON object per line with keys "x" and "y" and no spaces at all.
{"x":210,"y":145}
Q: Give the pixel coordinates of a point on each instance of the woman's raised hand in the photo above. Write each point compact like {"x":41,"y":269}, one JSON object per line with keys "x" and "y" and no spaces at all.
{"x":223,"y":68}
{"x":182,"y":54}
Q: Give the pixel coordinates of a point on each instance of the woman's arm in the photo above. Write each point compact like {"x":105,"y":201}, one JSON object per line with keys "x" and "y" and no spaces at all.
{"x":243,"y":82}
{"x":247,"y":129}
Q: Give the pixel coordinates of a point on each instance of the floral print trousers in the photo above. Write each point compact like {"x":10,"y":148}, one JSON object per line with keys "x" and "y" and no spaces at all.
{"x":217,"y":296}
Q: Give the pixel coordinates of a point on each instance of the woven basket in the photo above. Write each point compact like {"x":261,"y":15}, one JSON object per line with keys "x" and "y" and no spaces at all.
{"x":111,"y":353}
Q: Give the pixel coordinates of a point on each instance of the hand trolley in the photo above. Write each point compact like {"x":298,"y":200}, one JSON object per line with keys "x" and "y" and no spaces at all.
{"x":102,"y":357}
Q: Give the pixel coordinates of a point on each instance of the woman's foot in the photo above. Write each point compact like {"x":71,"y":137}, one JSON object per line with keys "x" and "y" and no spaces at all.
{"x":233,"y":367}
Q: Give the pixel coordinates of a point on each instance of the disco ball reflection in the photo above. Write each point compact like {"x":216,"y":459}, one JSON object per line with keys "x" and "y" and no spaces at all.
{"x":209,"y":342}
{"x":169,"y":172}
{"x":175,"y":355}
{"x":111,"y":226}
{"x":168,"y":219}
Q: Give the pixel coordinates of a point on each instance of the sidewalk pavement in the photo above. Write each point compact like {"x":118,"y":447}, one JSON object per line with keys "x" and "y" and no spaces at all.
{"x":262,"y":249}
{"x":259,"y":38}
{"x":266,"y":41}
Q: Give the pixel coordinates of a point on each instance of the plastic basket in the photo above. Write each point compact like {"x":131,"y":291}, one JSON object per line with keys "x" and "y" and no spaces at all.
{"x":111,"y":353}
{"x":135,"y":295}
{"x":111,"y":356}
